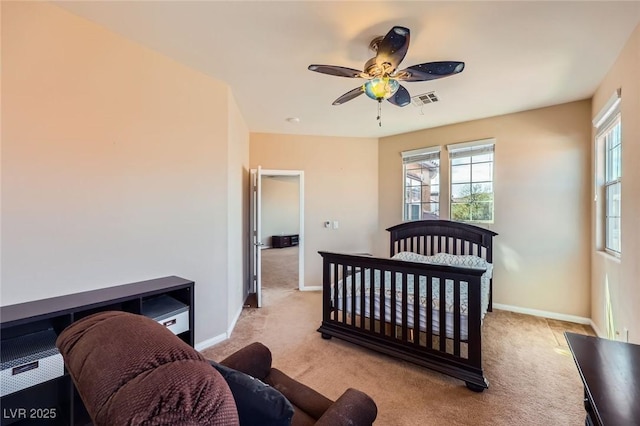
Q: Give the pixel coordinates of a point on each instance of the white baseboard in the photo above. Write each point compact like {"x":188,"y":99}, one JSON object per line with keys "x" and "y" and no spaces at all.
{"x":210,"y":342}
{"x":312,"y":288}
{"x":234,"y":321}
{"x":596,"y":329}
{"x":221,"y":337}
{"x":545,"y":314}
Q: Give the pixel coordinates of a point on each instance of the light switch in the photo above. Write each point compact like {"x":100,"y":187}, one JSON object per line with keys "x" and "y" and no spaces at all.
{"x":335,"y":224}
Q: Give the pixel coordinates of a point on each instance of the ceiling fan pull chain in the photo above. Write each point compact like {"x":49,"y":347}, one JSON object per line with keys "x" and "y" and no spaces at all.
{"x":379,"y":118}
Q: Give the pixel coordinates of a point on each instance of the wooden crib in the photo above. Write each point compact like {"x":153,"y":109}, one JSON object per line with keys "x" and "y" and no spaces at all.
{"x":394,"y":306}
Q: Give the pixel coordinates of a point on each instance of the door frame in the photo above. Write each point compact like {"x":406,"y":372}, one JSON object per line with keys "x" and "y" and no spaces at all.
{"x":301,"y":239}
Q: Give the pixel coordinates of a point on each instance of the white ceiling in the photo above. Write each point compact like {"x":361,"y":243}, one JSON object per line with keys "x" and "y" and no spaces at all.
{"x":519,"y":55}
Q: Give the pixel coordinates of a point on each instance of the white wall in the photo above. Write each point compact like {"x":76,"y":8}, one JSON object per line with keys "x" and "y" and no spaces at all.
{"x":118,"y":165}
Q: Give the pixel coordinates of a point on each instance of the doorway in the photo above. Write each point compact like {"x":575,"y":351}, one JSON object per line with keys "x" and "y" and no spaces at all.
{"x":277,"y":225}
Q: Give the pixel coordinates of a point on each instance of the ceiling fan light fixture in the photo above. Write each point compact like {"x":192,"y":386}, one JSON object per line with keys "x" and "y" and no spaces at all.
{"x":381,"y":88}
{"x":382,"y":74}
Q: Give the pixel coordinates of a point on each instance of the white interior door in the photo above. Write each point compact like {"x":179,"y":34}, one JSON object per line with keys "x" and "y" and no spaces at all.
{"x":256,"y":236}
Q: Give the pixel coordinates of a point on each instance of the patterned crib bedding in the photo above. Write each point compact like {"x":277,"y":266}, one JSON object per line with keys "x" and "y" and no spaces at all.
{"x":467,"y":261}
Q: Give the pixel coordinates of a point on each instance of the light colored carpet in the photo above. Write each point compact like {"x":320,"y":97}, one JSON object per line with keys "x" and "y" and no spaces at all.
{"x":533,"y":379}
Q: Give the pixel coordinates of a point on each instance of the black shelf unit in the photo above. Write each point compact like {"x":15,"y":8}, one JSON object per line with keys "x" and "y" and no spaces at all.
{"x":280,"y":241}
{"x":58,"y":396}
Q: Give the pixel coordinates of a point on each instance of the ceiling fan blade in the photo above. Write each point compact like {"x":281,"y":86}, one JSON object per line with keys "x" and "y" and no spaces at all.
{"x":337,"y":71}
{"x":351,"y":94}
{"x":401,"y":97}
{"x":430,"y":71}
{"x":393,"y":48}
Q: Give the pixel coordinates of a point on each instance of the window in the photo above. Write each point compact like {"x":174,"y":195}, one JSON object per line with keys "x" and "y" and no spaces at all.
{"x":421,"y":183}
{"x":472,"y":181}
{"x":609,"y":146}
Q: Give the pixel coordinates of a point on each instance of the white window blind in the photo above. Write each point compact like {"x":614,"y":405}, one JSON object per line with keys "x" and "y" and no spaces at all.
{"x":424,"y":154}
{"x":467,"y":149}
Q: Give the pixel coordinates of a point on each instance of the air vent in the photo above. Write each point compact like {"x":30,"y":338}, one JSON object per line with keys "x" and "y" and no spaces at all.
{"x":425,"y":98}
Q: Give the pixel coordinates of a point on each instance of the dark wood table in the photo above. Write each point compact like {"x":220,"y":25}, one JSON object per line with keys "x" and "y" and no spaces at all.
{"x":610,"y":372}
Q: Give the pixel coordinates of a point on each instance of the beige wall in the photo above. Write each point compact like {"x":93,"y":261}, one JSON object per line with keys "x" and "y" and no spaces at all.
{"x":238,"y":210}
{"x":117,"y":166}
{"x":622,"y":274}
{"x":340,"y":183}
{"x":542,"y":193}
{"x":280,"y":206}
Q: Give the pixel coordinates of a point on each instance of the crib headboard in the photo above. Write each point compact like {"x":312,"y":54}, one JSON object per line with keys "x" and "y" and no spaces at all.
{"x":429,"y":237}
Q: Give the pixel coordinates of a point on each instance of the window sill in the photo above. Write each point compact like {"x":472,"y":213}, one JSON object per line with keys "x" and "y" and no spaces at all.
{"x":475,"y":222}
{"x":617,"y":258}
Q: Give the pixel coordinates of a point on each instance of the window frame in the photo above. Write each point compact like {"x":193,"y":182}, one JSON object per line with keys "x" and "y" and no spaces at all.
{"x":606,"y":129}
{"x":413,"y":156}
{"x":481,"y":147}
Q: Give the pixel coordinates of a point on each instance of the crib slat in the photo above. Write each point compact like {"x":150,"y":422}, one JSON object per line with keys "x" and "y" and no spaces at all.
{"x":336,"y":293}
{"x":442,"y":329}
{"x":352,"y":279}
{"x":344,"y":296}
{"x":382,"y":298}
{"x":456,"y":317}
{"x":393,"y":305}
{"x":372,"y":299}
{"x":405,"y":302}
{"x":429,"y":315}
{"x":362,"y":298}
{"x":416,"y":309}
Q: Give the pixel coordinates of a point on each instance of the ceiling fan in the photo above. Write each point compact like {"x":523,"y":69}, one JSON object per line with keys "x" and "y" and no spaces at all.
{"x":381,"y":71}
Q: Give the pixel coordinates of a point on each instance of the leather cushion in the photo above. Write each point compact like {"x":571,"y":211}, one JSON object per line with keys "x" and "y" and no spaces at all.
{"x":258,"y":403}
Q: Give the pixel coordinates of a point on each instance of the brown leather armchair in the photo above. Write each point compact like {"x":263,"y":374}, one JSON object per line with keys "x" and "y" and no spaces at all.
{"x":310,"y":407}
{"x":130,"y":370}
